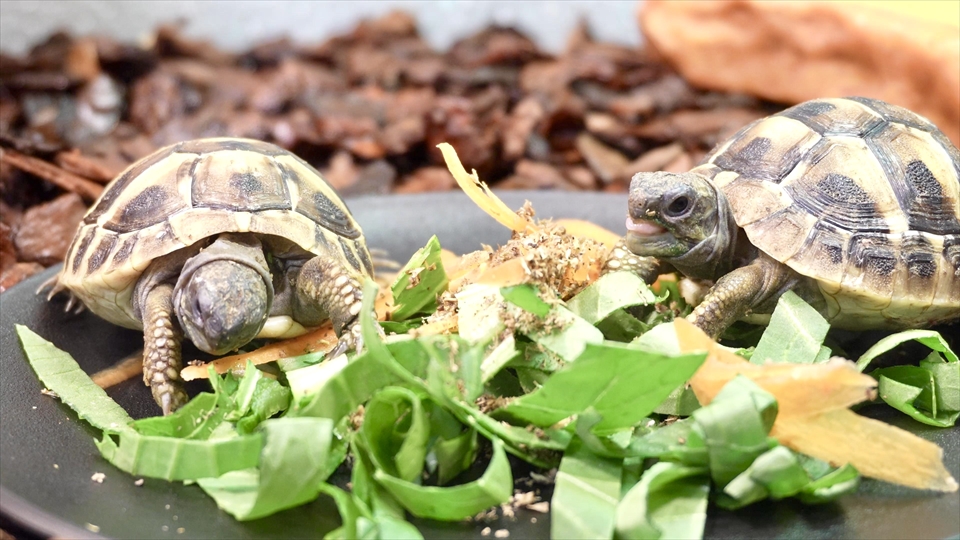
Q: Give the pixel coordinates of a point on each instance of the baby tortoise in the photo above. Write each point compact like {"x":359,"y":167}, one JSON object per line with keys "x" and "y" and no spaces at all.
{"x":852,"y":203}
{"x":222,"y":240}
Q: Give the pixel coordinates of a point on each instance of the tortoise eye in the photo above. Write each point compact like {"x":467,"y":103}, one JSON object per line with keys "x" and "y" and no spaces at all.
{"x":678,"y":206}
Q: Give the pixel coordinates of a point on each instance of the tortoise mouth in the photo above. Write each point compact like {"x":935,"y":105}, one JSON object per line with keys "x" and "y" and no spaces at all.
{"x":644,"y":227}
{"x":648,"y":239}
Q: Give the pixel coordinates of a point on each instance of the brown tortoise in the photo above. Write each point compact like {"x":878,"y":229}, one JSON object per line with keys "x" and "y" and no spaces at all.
{"x":853,"y":203}
{"x":223,"y":240}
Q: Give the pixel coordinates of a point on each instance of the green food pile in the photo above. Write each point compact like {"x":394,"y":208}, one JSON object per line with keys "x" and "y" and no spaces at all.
{"x":592,"y":387}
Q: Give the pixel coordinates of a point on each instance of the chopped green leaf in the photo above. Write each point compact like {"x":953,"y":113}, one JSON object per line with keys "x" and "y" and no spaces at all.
{"x":830,"y":486}
{"x":681,"y":402}
{"x":396,"y":431}
{"x":454,"y":502}
{"x":540,"y":449}
{"x":669,"y":501}
{"x":455,"y":455}
{"x":417,"y":285}
{"x":621,"y":383}
{"x":293,"y":466}
{"x":180,"y":459}
{"x":946,"y":378}
{"x":499,"y":357}
{"x":527,"y":298}
{"x":913,"y":391}
{"x":585,"y":499}
{"x":195,"y":420}
{"x":61,"y":374}
{"x":734,"y":427}
{"x":930,"y":338}
{"x":776,"y":474}
{"x":294,"y":363}
{"x":351,"y":510}
{"x":269,"y":398}
{"x":567,"y":335}
{"x":478,"y":308}
{"x":612,"y":292}
{"x":795,"y":334}
{"x":678,"y":442}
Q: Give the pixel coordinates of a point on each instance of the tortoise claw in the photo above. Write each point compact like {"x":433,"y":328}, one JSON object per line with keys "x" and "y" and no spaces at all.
{"x":350,"y":340}
{"x":166,"y":404}
{"x":52,"y":288}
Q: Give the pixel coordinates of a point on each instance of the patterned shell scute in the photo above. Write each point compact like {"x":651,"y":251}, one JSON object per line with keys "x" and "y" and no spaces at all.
{"x":187,"y":192}
{"x":860,"y":195}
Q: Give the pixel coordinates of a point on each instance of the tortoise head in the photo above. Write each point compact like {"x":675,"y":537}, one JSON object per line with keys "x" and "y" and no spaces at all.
{"x":680,"y":218}
{"x":223,"y":296}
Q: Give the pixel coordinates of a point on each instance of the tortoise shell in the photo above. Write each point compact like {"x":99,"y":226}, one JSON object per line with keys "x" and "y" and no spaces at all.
{"x":857,"y":194}
{"x":182,"y":195}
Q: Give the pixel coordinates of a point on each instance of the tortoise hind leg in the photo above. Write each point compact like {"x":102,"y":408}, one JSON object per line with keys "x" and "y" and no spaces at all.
{"x":161,"y":349}
{"x":327,"y":288}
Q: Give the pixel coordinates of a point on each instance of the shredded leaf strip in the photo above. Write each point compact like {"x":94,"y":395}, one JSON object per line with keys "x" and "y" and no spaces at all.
{"x":61,"y":374}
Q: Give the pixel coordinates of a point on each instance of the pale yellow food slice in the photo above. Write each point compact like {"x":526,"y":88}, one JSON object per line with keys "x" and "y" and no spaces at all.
{"x":814,"y":419}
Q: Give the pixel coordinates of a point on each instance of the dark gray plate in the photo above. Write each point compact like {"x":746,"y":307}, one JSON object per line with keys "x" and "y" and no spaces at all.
{"x":47,"y":456}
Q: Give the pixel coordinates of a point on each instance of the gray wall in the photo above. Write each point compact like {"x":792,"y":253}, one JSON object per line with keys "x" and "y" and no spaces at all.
{"x":237,"y":24}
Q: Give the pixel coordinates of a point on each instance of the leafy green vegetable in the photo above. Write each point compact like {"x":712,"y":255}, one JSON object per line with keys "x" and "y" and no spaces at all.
{"x":455,"y":502}
{"x":61,"y":374}
{"x":454,"y":455}
{"x":396,"y":431}
{"x":669,"y":501}
{"x":928,"y":393}
{"x":930,"y":338}
{"x":499,"y":357}
{"x":585,"y":499}
{"x":830,"y":486}
{"x":195,"y":420}
{"x":621,"y":383}
{"x":734,"y":427}
{"x":915,"y":391}
{"x":419,"y":282}
{"x":795,"y":334}
{"x":293,"y":465}
{"x":568,"y":334}
{"x":172,"y":458}
{"x":610,"y":293}
{"x":527,"y":298}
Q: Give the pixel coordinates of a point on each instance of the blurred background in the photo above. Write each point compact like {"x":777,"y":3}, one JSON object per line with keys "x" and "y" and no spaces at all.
{"x":235,"y":25}
{"x":572,"y":95}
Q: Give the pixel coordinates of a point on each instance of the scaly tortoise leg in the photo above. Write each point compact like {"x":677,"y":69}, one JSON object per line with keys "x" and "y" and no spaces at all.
{"x":736,"y":293}
{"x":621,"y":258}
{"x":161,"y":349}
{"x":337,"y":290}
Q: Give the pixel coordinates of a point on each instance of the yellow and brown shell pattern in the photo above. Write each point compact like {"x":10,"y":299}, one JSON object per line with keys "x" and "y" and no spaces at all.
{"x":860,"y":195}
{"x":186,"y":193}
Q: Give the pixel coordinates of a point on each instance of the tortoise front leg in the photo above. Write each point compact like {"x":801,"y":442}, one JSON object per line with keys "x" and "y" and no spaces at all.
{"x":736,"y":293}
{"x":161,"y":349}
{"x":328,"y":288}
{"x":621,"y":258}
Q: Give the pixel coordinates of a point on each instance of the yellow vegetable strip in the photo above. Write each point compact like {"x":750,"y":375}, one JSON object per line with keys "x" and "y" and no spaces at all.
{"x":876,"y":449}
{"x":123,"y":370}
{"x":813,"y":418}
{"x":585,"y":229}
{"x":480,"y":193}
